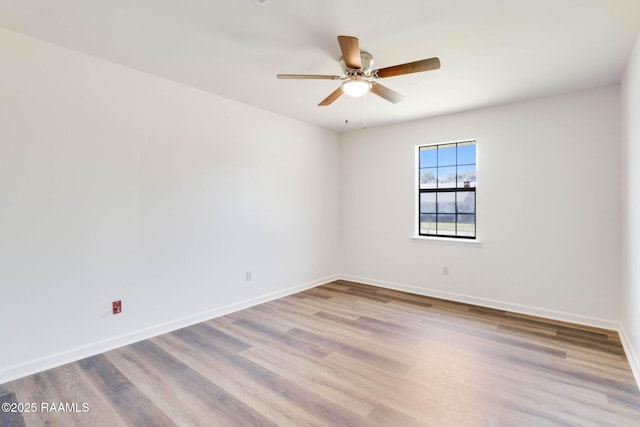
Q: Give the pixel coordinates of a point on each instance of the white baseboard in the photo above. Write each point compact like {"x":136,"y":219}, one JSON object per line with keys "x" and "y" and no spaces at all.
{"x":632,"y":355}
{"x":51,"y":361}
{"x":491,"y":303}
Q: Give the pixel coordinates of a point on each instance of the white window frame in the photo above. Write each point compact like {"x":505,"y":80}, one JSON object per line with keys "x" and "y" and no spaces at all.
{"x":465,"y":241}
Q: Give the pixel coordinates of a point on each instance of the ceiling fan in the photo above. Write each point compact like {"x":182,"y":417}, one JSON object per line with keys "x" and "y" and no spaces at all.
{"x":358,"y":75}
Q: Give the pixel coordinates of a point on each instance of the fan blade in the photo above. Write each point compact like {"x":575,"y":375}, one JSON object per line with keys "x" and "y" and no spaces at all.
{"x":386,"y":93}
{"x":308,"y":76}
{"x":408,"y":68}
{"x":334,"y":95}
{"x":350,"y":48}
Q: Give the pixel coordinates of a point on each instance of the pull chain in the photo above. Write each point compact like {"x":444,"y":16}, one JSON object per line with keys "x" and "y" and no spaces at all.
{"x":364,"y":103}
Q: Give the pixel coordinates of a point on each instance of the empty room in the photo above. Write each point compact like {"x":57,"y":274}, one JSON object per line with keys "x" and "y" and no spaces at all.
{"x":296,"y":213}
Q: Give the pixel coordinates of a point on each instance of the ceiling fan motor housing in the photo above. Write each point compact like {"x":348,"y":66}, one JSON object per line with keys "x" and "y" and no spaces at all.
{"x":367,"y":62}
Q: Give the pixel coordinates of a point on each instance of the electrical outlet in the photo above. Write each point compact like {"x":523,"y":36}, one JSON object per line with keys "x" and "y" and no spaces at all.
{"x":117,"y":306}
{"x":445,"y":271}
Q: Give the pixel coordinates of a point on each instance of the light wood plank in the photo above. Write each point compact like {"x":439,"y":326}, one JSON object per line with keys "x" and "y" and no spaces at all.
{"x":350,"y":354}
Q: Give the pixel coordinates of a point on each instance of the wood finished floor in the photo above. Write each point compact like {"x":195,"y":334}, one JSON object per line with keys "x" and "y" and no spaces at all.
{"x":346,"y":354}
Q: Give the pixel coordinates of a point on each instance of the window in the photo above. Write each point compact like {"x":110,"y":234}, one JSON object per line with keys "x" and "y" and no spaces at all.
{"x":447,"y":190}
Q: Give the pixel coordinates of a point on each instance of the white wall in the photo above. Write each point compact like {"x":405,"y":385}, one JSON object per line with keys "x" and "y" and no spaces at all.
{"x":548,"y":208}
{"x":115,"y":184}
{"x":631,"y":206}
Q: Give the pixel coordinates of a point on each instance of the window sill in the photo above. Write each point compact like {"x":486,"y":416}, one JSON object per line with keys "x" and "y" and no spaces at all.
{"x":448,"y":241}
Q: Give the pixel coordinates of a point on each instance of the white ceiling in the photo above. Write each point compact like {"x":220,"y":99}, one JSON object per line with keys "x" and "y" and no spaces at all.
{"x":492,"y":51}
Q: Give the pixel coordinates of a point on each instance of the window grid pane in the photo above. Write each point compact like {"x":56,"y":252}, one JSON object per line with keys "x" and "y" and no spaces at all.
{"x":428,"y":178}
{"x":428,"y":203}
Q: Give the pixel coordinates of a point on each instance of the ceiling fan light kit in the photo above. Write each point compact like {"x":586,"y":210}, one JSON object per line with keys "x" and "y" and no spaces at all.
{"x":356,"y":67}
{"x":356,"y":87}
